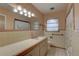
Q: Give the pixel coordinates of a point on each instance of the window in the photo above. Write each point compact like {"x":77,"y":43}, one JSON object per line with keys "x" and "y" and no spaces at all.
{"x":52,"y":25}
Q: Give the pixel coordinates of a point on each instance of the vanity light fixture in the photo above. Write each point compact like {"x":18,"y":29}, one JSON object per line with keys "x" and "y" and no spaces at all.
{"x":23,"y":11}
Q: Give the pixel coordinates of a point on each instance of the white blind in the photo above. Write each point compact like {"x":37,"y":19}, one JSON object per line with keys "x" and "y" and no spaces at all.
{"x":52,"y":25}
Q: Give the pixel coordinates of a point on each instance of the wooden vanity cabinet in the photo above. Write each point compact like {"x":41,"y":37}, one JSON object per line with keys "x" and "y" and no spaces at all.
{"x":40,"y":49}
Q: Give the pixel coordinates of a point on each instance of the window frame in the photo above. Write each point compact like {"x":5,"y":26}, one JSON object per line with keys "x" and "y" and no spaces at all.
{"x":51,"y":27}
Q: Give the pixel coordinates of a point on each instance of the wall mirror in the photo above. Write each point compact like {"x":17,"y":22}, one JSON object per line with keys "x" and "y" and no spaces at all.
{"x":2,"y":22}
{"x":21,"y":25}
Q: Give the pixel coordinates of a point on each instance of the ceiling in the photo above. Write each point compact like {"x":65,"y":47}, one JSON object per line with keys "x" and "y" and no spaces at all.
{"x":45,"y":7}
{"x":42,"y":7}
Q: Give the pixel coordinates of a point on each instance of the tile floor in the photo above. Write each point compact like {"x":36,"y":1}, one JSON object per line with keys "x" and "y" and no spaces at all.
{"x":56,"y":52}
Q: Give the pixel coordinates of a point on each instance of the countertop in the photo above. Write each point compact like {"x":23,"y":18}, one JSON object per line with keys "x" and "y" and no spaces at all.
{"x":14,"y":49}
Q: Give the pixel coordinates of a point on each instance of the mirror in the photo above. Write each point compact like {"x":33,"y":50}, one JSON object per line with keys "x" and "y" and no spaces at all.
{"x":2,"y":22}
{"x":21,"y":25}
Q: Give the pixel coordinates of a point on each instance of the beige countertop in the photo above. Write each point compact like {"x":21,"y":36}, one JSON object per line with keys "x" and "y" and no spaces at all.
{"x":14,"y":49}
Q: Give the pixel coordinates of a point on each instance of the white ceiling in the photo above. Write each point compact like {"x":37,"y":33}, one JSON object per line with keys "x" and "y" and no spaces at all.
{"x":45,"y":7}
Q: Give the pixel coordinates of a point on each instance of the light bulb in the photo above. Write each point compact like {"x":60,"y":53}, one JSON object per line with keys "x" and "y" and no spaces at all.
{"x":24,"y":10}
{"x":29,"y":14}
{"x":33,"y":14}
{"x":19,"y":8}
{"x":25,"y":14}
{"x":21,"y":12}
{"x":15,"y":10}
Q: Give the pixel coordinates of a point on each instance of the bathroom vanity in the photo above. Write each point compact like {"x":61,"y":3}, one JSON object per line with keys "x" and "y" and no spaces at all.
{"x":30,"y":47}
